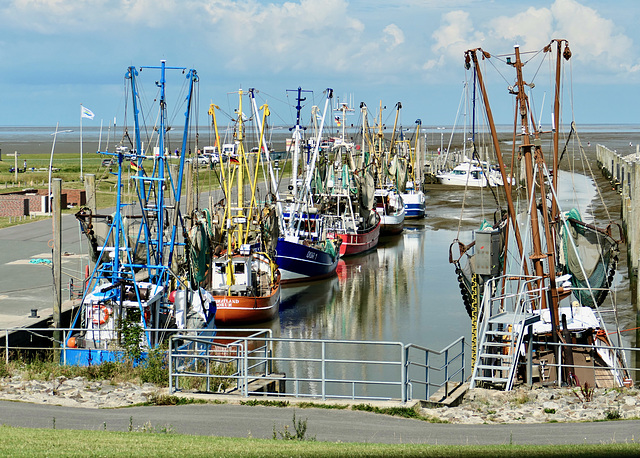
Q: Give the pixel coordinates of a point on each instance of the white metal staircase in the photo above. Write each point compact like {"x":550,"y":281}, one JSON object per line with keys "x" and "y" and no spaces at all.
{"x":500,"y":335}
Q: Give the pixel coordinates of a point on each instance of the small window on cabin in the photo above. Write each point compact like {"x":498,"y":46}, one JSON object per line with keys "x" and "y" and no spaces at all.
{"x":219,"y":268}
{"x":238,"y":268}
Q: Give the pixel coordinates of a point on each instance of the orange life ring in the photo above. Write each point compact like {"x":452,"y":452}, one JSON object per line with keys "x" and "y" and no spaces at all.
{"x":100,"y":314}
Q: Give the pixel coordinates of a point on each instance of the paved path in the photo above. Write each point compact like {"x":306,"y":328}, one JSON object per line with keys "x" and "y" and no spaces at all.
{"x":25,"y":286}
{"x":326,"y":425}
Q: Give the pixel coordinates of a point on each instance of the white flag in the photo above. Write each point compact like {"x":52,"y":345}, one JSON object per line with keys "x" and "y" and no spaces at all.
{"x":86,"y":113}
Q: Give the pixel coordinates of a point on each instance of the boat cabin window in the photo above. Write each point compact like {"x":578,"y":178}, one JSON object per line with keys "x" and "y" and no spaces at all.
{"x":238,"y":268}
{"x":219,"y":268}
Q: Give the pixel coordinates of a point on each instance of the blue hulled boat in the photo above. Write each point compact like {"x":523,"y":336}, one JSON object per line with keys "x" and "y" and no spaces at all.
{"x":304,"y":252}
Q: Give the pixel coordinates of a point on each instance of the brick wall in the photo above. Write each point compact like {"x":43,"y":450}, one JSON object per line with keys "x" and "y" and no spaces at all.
{"x":23,"y":203}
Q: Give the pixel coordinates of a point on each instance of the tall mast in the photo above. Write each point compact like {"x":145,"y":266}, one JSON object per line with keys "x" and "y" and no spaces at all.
{"x":556,"y":114}
{"x":471,"y":55}
{"x":241,"y":167}
{"x":297,"y":137}
{"x":192,"y":76}
{"x":533,"y":152}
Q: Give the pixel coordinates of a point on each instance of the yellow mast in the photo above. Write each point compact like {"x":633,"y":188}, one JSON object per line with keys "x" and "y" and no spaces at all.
{"x":241,"y":167}
{"x":265,"y":113}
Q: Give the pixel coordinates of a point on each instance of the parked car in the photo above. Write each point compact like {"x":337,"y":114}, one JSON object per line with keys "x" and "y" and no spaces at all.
{"x":200,"y":161}
{"x":212,"y":153}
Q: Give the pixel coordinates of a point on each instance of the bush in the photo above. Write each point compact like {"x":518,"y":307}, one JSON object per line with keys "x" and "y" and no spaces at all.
{"x":4,"y":369}
{"x":155,"y":369}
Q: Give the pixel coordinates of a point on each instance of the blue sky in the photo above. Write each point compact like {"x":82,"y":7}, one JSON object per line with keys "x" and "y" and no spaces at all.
{"x":57,"y":54}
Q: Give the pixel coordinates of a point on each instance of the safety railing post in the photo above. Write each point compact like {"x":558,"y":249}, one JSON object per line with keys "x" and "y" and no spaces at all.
{"x":403,"y":373}
{"x":208,"y":370}
{"x":324,"y":373}
{"x":446,"y":373}
{"x":245,"y":360}
{"x":171,"y":365}
{"x":427,"y":374}
{"x":559,"y":366}
{"x":464,"y":362}
{"x":64,"y":348}
{"x":6,"y":345}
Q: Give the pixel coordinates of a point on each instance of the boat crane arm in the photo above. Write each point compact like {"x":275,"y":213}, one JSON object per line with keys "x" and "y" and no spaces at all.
{"x":267,"y":153}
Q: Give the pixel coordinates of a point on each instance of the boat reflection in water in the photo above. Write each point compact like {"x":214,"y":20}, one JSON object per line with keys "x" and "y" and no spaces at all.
{"x":402,"y":292}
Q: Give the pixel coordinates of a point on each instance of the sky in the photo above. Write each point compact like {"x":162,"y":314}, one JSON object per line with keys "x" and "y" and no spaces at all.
{"x":58,"y":54}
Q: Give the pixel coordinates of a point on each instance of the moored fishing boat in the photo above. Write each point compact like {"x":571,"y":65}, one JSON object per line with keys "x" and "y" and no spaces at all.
{"x":520,"y":268}
{"x":390,"y":173}
{"x":304,"y":250}
{"x":254,"y":295}
{"x":345,"y":190}
{"x":140,"y":290}
{"x":415,"y":203}
{"x":390,"y":207}
{"x":245,"y":280}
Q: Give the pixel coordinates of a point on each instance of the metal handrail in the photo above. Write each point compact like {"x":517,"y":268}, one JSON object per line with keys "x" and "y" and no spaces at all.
{"x":326,"y":362}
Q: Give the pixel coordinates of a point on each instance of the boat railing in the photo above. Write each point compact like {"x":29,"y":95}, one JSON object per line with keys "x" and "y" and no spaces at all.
{"x":620,"y":375}
{"x":321,"y":369}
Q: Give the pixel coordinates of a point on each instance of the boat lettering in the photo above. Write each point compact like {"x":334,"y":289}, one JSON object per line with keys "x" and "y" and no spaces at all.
{"x":226,"y":302}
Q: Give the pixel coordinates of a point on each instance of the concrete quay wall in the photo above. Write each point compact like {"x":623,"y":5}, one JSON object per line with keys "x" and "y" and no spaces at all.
{"x":623,"y":171}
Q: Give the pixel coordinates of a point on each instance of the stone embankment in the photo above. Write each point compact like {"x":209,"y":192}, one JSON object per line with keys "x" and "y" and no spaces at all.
{"x":75,"y":392}
{"x":478,"y":406}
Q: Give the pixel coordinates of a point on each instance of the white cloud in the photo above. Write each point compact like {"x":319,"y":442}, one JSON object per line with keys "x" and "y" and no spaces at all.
{"x":595,"y":41}
{"x":531,"y":29}
{"x":393,"y":35}
{"x":452,"y":39}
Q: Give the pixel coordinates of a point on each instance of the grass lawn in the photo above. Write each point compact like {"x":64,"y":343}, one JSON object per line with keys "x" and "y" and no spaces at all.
{"x":147,"y":441}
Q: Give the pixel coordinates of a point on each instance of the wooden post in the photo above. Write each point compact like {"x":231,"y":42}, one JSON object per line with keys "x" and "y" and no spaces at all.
{"x":57,"y":261}
{"x":189,"y":180}
{"x":90,"y":190}
{"x":174,"y":170}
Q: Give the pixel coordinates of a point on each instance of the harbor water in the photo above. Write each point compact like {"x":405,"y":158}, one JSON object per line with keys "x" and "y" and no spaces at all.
{"x":406,"y":290}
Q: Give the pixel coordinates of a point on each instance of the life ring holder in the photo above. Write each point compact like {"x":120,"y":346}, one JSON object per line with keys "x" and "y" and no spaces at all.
{"x":100,"y":314}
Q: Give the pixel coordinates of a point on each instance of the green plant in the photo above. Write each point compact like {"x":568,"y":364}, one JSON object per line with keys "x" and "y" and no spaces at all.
{"x":549,"y":410}
{"x":586,"y":393}
{"x":405,"y":412}
{"x":150,"y":429}
{"x":612,"y":414}
{"x":169,"y":400}
{"x":131,"y":336}
{"x":154,"y":369}
{"x":4,"y":368}
{"x":300,"y":428}
{"x":307,"y":405}
{"x":257,"y":402}
{"x":522,"y":399}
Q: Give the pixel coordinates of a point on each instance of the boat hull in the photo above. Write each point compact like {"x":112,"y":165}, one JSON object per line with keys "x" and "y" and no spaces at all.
{"x":415,"y":205}
{"x":391,"y":224}
{"x":233,"y":310}
{"x":361,"y":242}
{"x":298,"y":262}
